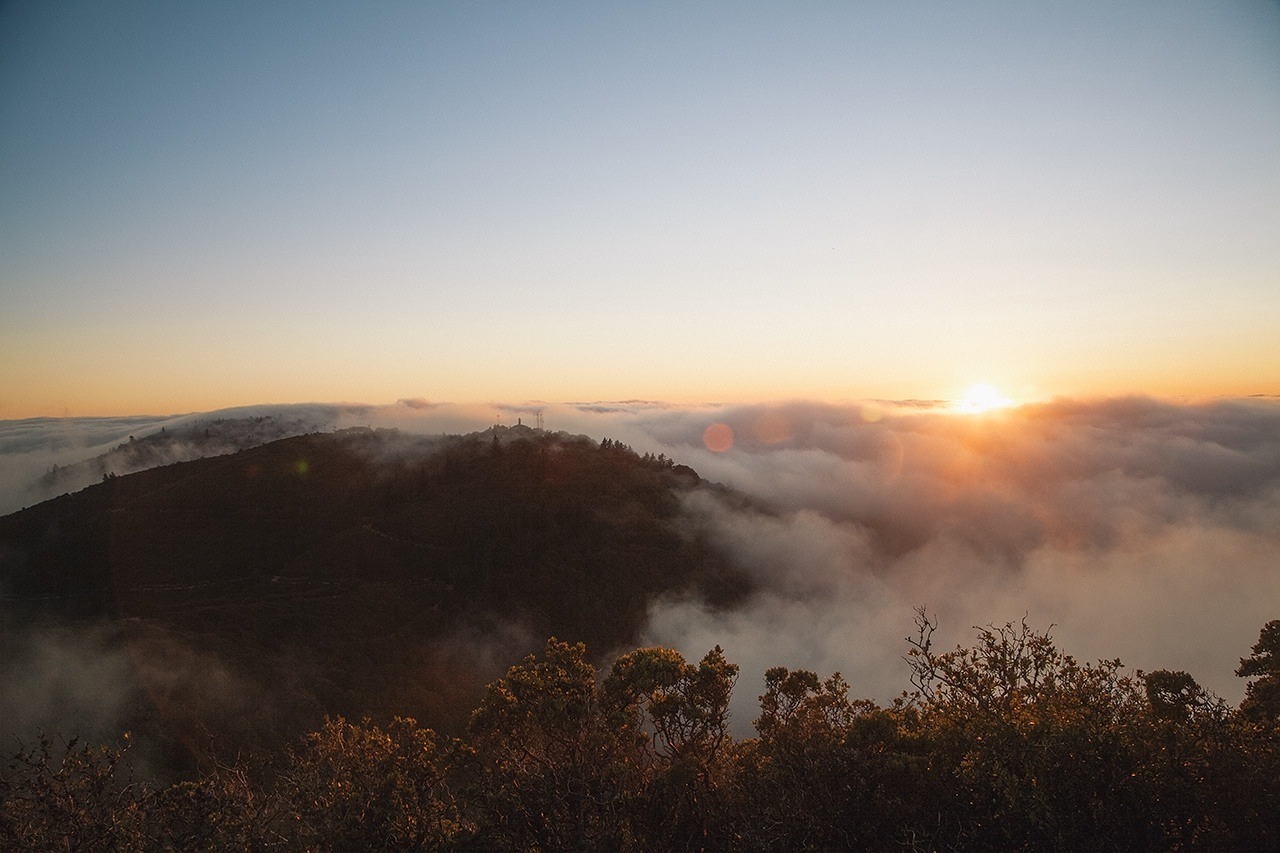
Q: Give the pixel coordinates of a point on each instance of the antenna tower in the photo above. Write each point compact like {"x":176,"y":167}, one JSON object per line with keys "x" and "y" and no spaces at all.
{"x":538,"y":415}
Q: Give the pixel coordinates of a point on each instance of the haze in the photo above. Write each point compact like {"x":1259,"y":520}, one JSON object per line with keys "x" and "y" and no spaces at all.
{"x":1143,"y":529}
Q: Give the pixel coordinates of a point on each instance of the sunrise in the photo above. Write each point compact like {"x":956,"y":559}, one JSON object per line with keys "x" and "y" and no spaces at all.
{"x":642,"y":426}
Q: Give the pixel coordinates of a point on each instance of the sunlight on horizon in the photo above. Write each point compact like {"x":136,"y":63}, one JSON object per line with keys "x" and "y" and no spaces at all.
{"x":982,"y":397}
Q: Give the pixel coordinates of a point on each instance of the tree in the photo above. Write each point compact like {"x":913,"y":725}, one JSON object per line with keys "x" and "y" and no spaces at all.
{"x":1262,"y":696}
{"x":1039,"y":745}
{"x":552,"y":766}
{"x":827,"y":772}
{"x":69,"y":799}
{"x":687,"y":706}
{"x":1174,"y":695}
{"x":685,"y":709}
{"x":220,"y":810}
{"x":359,"y":786}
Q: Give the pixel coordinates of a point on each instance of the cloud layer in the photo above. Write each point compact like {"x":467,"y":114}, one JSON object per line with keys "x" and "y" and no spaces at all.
{"x":1140,"y":528}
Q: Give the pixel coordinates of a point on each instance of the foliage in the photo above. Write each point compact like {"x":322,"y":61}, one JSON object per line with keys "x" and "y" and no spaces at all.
{"x":685,"y":708}
{"x":1262,"y":697}
{"x":1040,"y":751}
{"x":1008,"y":744}
{"x":1007,"y":716}
{"x":80,"y":797}
{"x":552,"y":766}
{"x":361,"y":786}
{"x":220,"y":810}
{"x":827,"y":771}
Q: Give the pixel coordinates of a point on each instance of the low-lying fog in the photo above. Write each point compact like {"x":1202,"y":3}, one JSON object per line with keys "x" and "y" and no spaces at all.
{"x":1141,"y":529}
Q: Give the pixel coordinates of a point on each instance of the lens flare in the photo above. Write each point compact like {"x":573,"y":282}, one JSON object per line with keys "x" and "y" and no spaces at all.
{"x":718,"y":437}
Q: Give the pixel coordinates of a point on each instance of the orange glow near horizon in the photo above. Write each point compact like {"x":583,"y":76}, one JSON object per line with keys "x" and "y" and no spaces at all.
{"x":88,"y":385}
{"x":982,"y":397}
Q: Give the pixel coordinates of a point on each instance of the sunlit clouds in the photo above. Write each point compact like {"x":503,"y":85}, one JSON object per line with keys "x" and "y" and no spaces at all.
{"x":1143,"y":528}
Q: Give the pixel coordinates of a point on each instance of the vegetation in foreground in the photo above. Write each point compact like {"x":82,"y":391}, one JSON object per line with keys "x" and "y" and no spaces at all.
{"x":1007,"y":744}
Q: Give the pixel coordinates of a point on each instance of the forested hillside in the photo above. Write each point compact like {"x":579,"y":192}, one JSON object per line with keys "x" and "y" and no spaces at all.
{"x":345,"y":573}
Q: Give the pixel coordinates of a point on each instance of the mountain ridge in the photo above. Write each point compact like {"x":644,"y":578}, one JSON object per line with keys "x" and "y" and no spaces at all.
{"x":359,"y":571}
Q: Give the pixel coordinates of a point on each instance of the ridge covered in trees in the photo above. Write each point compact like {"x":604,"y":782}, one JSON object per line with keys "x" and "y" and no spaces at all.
{"x":1009,"y":744}
{"x":343,"y":573}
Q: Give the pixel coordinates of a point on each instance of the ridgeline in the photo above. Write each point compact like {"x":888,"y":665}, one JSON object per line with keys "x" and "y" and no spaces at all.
{"x":362,"y":572}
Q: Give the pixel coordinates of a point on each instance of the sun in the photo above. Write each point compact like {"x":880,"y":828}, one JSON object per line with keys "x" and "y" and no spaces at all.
{"x":982,"y":397}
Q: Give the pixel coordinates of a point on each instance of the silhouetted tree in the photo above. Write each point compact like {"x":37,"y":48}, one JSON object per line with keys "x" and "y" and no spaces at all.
{"x":551,"y":766}
{"x":685,"y":708}
{"x":1008,"y":744}
{"x":1262,"y":696}
{"x":1037,"y":743}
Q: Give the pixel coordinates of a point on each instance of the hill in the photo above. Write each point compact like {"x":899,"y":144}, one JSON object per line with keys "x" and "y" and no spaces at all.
{"x":159,"y":441}
{"x":358,"y":572}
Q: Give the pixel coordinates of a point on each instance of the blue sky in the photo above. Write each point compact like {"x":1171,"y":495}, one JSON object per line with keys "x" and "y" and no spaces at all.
{"x":215,"y":204}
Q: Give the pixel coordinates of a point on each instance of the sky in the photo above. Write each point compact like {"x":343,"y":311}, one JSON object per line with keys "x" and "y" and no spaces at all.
{"x":220,"y":204}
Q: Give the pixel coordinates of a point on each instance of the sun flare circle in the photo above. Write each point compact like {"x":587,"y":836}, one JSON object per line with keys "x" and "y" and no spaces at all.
{"x":982,"y":397}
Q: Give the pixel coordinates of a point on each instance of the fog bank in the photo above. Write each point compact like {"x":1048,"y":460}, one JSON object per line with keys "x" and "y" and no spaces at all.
{"x":1139,"y":528}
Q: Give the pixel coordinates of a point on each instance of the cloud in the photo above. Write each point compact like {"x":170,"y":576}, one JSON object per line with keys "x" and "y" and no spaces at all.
{"x":41,"y":458}
{"x":1141,"y":528}
{"x":31,"y":448}
{"x":95,"y":680}
{"x":416,"y":403}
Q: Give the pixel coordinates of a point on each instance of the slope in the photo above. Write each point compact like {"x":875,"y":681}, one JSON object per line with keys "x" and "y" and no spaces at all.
{"x":354,"y":572}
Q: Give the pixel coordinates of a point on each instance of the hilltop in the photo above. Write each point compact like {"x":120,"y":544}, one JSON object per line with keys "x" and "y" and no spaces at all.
{"x":158,"y":441}
{"x":357,"y":572}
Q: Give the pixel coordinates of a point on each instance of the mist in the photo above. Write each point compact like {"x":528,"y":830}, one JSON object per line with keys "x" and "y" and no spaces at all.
{"x":1136,"y":528}
{"x":62,"y":679}
{"x":41,"y":458}
{"x":1132,"y":528}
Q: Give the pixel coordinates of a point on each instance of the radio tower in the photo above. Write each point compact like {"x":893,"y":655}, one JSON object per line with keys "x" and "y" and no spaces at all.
{"x":538,"y":415}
